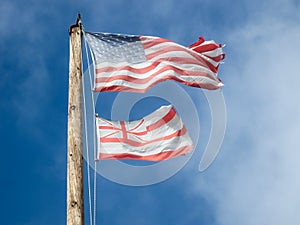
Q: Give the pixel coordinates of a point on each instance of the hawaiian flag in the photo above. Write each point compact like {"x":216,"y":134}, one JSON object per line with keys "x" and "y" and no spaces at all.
{"x":135,"y":63}
{"x":158,"y":136}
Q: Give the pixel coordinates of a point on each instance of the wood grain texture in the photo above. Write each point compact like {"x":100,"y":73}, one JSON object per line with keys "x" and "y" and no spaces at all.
{"x":75,"y":206}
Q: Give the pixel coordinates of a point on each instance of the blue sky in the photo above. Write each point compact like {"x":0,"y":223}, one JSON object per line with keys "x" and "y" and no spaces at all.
{"x":254,"y":179}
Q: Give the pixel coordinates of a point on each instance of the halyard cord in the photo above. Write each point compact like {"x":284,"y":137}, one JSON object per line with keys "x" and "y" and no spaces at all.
{"x":94,"y":130}
{"x":87,"y":152}
{"x":94,"y":135}
{"x":92,"y":215}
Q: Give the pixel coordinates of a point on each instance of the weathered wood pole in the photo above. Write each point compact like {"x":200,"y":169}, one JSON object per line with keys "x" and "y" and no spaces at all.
{"x":75,"y":209}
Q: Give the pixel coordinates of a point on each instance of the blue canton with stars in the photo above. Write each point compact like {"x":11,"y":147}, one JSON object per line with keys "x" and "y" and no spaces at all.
{"x":116,"y":48}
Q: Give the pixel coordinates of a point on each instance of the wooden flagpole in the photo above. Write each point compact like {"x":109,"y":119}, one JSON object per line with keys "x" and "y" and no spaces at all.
{"x":75,"y":206}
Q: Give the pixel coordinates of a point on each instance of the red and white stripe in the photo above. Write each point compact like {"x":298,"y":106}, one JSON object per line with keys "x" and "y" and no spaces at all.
{"x":158,"y":136}
{"x":195,"y":66}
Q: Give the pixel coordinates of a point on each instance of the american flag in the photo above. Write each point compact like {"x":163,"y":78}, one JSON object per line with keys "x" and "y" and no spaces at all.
{"x":158,"y":136}
{"x":135,"y":63}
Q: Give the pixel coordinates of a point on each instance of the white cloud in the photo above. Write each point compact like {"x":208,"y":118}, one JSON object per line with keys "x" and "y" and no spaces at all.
{"x":255,"y":179}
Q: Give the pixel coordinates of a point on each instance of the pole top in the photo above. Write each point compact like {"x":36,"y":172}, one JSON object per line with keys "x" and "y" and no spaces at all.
{"x":78,"y":23}
{"x":78,"y":20}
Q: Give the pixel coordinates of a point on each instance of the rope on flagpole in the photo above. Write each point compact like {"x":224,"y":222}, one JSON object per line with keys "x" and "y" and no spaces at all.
{"x":94,"y":133}
{"x":95,"y":190}
{"x":87,"y":152}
